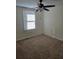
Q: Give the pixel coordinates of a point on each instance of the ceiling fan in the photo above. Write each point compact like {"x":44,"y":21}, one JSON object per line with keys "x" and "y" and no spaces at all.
{"x":41,"y":6}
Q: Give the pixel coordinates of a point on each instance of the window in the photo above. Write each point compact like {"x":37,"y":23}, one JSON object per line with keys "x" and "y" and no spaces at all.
{"x":29,"y":22}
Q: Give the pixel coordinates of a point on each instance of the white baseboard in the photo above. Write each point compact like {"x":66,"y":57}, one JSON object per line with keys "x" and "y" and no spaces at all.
{"x":57,"y":37}
{"x":17,"y":39}
{"x":22,"y":38}
{"x":53,"y":36}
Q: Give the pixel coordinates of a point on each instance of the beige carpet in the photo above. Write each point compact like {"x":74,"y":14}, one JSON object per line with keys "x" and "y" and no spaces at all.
{"x":39,"y":47}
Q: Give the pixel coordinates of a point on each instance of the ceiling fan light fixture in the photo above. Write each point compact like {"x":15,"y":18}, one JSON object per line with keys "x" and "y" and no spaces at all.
{"x":42,"y":7}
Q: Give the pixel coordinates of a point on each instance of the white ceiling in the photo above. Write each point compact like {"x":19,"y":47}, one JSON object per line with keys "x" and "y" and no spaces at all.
{"x":33,"y":3}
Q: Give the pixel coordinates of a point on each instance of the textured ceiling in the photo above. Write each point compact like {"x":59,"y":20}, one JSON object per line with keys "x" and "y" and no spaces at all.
{"x":33,"y":3}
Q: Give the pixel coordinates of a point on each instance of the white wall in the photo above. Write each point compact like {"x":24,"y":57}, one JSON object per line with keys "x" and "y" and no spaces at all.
{"x":20,"y":33}
{"x":53,"y":21}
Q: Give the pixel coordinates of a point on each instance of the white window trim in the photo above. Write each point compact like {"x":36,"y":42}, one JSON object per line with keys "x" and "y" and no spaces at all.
{"x":24,"y":17}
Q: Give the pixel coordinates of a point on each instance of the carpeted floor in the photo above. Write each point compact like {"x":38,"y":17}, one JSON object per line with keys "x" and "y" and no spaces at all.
{"x":39,"y":47}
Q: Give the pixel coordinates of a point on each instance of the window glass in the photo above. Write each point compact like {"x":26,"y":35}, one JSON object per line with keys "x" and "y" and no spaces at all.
{"x":29,"y":22}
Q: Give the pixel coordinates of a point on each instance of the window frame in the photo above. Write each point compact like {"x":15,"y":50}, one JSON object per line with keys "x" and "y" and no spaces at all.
{"x":25,"y":20}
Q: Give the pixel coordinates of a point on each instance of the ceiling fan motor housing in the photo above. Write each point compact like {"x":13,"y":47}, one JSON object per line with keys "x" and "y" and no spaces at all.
{"x":41,"y":5}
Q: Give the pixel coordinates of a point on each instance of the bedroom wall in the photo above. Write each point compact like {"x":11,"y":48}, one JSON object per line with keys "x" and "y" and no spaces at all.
{"x":53,"y":21}
{"x":20,"y":33}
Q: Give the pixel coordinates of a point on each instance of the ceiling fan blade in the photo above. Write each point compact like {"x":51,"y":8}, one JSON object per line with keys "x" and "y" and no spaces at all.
{"x":46,"y":9}
{"x":50,"y":6}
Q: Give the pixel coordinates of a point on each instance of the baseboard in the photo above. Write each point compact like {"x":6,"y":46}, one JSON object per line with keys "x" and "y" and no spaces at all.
{"x":22,"y":38}
{"x":18,"y":39}
{"x":57,"y":37}
{"x":53,"y":36}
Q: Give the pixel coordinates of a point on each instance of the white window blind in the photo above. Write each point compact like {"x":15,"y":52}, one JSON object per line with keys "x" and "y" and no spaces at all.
{"x":29,"y":20}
